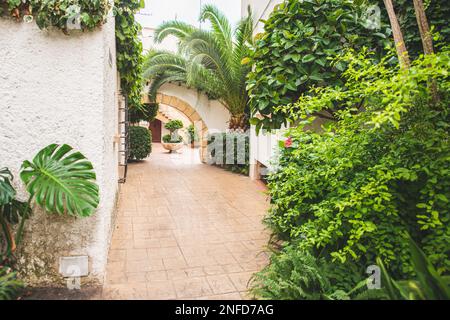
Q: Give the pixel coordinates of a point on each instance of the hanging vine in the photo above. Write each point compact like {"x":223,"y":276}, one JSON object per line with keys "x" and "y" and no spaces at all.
{"x":129,"y":50}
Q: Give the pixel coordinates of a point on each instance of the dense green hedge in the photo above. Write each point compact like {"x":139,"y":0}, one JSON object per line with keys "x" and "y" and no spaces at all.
{"x":292,"y":53}
{"x":140,"y":143}
{"x":349,"y":194}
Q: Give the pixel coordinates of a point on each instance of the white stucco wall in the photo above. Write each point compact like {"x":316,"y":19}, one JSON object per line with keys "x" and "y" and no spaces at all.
{"x":213,"y":113}
{"x":56,"y":88}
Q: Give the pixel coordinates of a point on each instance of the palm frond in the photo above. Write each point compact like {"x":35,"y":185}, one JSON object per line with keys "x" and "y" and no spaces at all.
{"x":175,"y":28}
{"x":208,"y":60}
{"x":220,"y":25}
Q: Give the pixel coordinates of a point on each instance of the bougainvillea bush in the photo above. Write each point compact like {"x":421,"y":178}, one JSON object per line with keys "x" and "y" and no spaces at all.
{"x":350,"y":193}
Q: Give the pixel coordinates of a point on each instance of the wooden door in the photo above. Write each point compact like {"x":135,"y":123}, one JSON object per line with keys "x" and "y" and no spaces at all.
{"x":155,"y":127}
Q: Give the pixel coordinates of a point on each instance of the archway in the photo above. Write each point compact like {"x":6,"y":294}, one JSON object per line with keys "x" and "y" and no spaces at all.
{"x":191,"y":114}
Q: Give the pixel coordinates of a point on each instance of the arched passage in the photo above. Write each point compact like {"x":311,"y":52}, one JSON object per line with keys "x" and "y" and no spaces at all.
{"x":191,"y":114}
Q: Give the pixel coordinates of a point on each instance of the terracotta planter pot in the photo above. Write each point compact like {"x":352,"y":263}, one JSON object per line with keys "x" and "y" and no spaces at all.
{"x":172,"y":146}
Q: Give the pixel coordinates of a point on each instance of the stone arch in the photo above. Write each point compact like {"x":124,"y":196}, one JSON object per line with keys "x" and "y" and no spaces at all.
{"x":192,"y":115}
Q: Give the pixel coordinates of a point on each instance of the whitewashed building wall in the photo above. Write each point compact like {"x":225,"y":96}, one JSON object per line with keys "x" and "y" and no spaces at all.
{"x":60,"y":89}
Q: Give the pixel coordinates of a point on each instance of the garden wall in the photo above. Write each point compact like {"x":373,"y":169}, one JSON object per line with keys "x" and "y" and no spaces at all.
{"x":56,"y":88}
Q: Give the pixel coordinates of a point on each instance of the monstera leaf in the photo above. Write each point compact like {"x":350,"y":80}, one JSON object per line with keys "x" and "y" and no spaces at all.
{"x":61,"y":181}
{"x":7,"y":191}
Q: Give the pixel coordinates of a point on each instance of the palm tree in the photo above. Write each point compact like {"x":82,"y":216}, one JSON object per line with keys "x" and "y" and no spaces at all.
{"x":210,"y":61}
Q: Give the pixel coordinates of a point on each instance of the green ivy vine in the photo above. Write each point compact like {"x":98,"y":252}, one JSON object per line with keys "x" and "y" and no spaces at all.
{"x":129,"y":50}
{"x":58,"y":13}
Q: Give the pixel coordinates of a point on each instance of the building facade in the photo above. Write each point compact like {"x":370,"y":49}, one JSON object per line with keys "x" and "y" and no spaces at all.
{"x":62,"y":89}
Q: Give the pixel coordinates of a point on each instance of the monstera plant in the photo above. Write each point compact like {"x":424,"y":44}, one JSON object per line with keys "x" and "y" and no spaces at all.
{"x":58,"y":180}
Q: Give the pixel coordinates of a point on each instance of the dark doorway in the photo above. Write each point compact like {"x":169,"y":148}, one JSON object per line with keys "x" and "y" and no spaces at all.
{"x":155,"y":127}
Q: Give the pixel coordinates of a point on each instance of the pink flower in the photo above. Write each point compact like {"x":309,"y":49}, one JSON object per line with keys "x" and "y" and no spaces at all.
{"x":288,"y":143}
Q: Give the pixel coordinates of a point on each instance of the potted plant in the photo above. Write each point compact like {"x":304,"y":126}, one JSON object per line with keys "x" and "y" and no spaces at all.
{"x":173,"y":141}
{"x":193,"y":135}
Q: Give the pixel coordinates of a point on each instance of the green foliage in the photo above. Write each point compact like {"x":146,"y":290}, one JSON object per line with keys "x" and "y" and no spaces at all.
{"x":7,"y":192}
{"x":230,"y":151}
{"x":437,"y":12}
{"x":61,"y":181}
{"x":129,"y":51}
{"x":375,"y":85}
{"x":208,"y":60}
{"x":429,"y":285}
{"x":173,"y":125}
{"x":57,"y":13}
{"x":148,"y":112}
{"x":172,"y":138}
{"x":292,"y":275}
{"x":9,"y":285}
{"x":293,"y":52}
{"x":140,"y":143}
{"x":193,"y":134}
{"x":351,"y":191}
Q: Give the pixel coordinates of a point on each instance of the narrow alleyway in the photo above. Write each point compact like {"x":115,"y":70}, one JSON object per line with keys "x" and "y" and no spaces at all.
{"x":185,"y":230}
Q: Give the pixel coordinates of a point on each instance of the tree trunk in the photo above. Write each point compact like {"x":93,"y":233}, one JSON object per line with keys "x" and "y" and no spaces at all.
{"x":400,"y":45}
{"x":424,"y":29}
{"x":239,"y":122}
{"x":427,"y":41}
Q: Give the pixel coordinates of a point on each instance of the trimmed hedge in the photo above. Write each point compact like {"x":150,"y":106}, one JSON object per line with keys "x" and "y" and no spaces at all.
{"x":140,"y":143}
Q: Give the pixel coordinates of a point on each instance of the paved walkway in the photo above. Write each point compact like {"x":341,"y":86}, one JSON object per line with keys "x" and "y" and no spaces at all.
{"x":185,"y":230}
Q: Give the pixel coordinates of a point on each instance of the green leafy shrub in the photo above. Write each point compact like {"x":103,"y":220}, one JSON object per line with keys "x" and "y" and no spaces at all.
{"x":428,"y":286}
{"x":168,"y":138}
{"x":140,"y":143}
{"x":148,"y":113}
{"x":173,"y":126}
{"x":193,"y":134}
{"x":230,"y":151}
{"x":351,"y":191}
{"x":292,"y":275}
{"x":292,"y":53}
{"x":9,"y":285}
{"x":58,"y":13}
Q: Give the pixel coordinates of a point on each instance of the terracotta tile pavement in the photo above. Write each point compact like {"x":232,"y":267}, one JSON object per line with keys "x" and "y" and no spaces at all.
{"x":185,"y":230}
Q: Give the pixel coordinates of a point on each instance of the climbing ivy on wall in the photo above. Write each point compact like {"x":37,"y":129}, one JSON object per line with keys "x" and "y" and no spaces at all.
{"x":129,"y":50}
{"x":58,"y":13}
